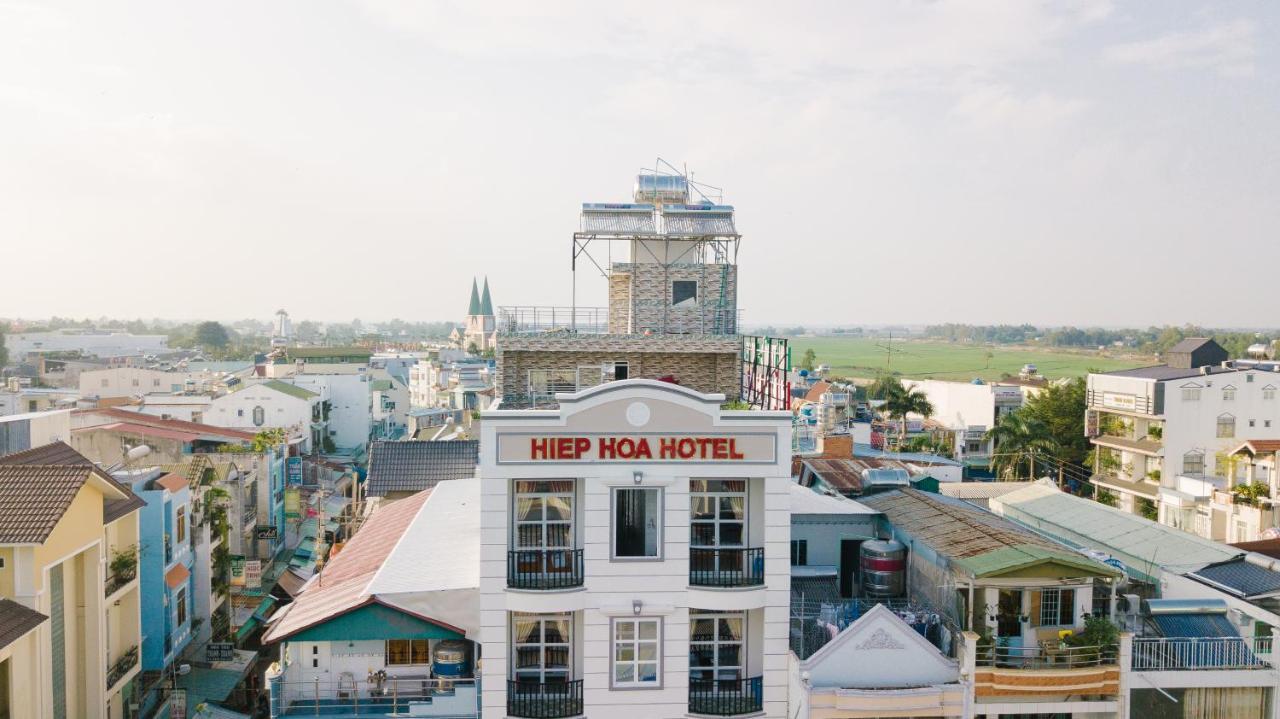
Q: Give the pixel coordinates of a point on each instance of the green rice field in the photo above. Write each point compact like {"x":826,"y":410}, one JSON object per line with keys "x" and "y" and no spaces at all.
{"x":866,"y":357}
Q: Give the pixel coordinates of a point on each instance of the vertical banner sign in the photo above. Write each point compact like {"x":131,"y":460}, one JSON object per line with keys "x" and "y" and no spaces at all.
{"x":292,"y":503}
{"x":253,"y":574}
{"x":237,"y":570}
{"x":177,"y":704}
{"x":293,"y":471}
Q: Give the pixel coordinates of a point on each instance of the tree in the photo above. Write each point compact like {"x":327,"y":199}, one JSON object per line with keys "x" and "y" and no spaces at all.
{"x":1017,"y":439}
{"x":884,"y":386}
{"x":211,"y":335}
{"x":1061,"y":408}
{"x":809,"y":360}
{"x":902,"y":402}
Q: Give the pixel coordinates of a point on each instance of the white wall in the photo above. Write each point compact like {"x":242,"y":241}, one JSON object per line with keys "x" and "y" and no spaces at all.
{"x":350,"y":416}
{"x":235,"y":410}
{"x":1194,"y":424}
{"x":99,"y":345}
{"x":662,"y":586}
{"x":130,"y":382}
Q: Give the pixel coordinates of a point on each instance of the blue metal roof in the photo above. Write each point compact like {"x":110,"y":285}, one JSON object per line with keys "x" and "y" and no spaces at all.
{"x":1240,"y":577}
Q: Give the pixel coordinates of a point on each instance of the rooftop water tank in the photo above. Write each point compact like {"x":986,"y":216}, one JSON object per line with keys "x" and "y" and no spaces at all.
{"x":661,"y":189}
{"x":884,"y":569}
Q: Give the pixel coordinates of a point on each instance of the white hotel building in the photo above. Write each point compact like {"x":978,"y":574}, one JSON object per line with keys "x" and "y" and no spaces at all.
{"x":635,"y":556}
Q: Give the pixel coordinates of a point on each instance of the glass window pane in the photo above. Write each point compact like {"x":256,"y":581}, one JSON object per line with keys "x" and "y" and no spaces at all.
{"x":624,"y":652}
{"x":647,"y":671}
{"x":557,"y":657}
{"x":559,"y":508}
{"x":730,"y":534}
{"x":729,"y":655}
{"x":624,"y":630}
{"x":528,"y":509}
{"x":703,"y":507}
{"x":731,"y":628}
{"x":702,"y":629}
{"x":636,"y":518}
{"x":702,"y":534}
{"x":733,"y":507}
{"x":624,"y":672}
{"x":556,"y":631}
{"x":528,"y":657}
{"x":648,"y":630}
{"x":558,"y":535}
{"x":527,"y":630}
{"x":701,"y":655}
{"x":648,"y":652}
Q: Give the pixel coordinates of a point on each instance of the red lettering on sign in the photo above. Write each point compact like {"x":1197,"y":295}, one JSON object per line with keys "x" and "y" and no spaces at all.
{"x":685,"y":448}
{"x":538,"y":448}
{"x":580,"y":446}
{"x":667,"y":448}
{"x":642,"y":449}
{"x":733,"y":450}
{"x":635,"y":448}
{"x":719,"y":448}
{"x":564,"y":448}
{"x":608,"y":449}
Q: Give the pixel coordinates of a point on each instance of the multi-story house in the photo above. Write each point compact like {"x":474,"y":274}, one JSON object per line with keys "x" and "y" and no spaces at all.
{"x":634,"y":556}
{"x":1163,"y":435}
{"x":68,"y":552}
{"x":167,"y":561}
{"x":966,"y":410}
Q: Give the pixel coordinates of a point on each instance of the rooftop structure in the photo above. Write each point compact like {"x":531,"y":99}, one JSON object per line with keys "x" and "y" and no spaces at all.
{"x":398,"y":468}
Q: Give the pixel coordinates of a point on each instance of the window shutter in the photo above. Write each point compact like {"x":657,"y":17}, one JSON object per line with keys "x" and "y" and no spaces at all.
{"x":1035,"y":608}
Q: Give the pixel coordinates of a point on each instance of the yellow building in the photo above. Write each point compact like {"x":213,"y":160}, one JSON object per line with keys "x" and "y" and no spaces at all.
{"x":67,"y":532}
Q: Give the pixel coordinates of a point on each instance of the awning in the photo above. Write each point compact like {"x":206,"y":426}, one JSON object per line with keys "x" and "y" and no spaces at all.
{"x":177,"y":576}
{"x":1142,"y":489}
{"x":291,"y":583}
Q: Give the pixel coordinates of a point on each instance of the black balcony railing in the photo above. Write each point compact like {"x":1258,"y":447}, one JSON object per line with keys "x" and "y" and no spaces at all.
{"x":544,"y":568}
{"x":121,"y":666}
{"x":726,"y":567}
{"x":726,"y":697}
{"x":544,"y":700}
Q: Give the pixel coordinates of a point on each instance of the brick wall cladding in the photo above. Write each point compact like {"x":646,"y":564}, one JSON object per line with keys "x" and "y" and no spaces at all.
{"x":703,"y":364}
{"x":650,"y":295}
{"x":619,"y":303}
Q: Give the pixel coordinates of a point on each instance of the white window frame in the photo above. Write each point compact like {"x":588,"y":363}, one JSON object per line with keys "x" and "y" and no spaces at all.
{"x":1190,"y":394}
{"x":1229,"y":393}
{"x":1056,"y":593}
{"x":1269,"y":392}
{"x":542,"y":645}
{"x":634,"y":643}
{"x":1223,"y":425}
{"x":716,"y":642}
{"x":613,"y":529}
{"x":543,"y":523}
{"x":1197,"y":454}
{"x":717,"y":521}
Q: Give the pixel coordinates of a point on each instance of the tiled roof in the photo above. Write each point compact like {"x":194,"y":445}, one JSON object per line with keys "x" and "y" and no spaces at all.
{"x":415,"y":465}
{"x":33,"y":497}
{"x":16,"y":620}
{"x":1259,"y":446}
{"x":173,"y":482}
{"x":815,"y":392}
{"x":343,"y":583}
{"x":61,"y":453}
{"x":1241,"y":578}
{"x":974,"y":540}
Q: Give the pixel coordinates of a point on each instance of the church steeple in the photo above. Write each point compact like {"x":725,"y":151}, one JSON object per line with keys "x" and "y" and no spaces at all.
{"x":474,"y":308}
{"x":486,"y":305}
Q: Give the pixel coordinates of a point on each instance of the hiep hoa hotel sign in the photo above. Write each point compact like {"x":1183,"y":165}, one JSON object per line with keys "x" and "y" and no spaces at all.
{"x":744,"y":448}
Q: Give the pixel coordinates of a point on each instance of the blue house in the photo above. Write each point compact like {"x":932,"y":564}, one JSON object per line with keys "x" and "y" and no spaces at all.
{"x":165,"y":566}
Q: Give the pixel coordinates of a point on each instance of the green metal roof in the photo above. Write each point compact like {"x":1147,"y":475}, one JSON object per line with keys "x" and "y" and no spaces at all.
{"x":374,"y":621}
{"x":474,"y":307}
{"x":292,"y":390}
{"x":380,"y":385}
{"x":326,"y":352}
{"x":486,"y":304}
{"x":1026,"y":556}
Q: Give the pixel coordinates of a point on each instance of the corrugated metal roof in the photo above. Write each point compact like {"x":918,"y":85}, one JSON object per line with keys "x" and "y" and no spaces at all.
{"x":1241,"y":578}
{"x":974,"y":540}
{"x":1141,"y":544}
{"x":806,"y":501}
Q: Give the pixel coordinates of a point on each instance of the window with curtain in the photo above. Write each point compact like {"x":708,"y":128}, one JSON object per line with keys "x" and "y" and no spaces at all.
{"x":717,"y":645}
{"x":637,"y":522}
{"x":541,"y":648}
{"x":543,"y":514}
{"x":1226,"y":426}
{"x":406,"y":652}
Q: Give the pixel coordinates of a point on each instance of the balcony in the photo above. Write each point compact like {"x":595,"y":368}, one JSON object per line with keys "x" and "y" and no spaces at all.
{"x":544,"y":700}
{"x":569,"y":321}
{"x":1048,"y":655}
{"x":726,"y":697}
{"x":544,"y":568}
{"x":1145,"y":447}
{"x":122,"y":666}
{"x":419,"y":696}
{"x":726,"y":566}
{"x":1157,"y":654}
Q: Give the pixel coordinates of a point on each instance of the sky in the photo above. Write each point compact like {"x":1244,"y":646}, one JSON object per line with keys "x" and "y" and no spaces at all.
{"x":1091,"y":162}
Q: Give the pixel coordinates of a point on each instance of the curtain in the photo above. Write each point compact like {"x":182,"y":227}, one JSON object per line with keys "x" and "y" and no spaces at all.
{"x":1225,"y":703}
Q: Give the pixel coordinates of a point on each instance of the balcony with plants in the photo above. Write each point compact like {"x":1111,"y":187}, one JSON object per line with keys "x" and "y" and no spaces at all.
{"x":122,"y":569}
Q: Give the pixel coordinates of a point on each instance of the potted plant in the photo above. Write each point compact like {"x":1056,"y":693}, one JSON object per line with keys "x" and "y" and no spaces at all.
{"x":1156,"y":432}
{"x":124,"y":564}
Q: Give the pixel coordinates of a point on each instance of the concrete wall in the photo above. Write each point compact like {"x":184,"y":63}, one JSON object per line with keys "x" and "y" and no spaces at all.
{"x":648,"y":298}
{"x":130,"y":382}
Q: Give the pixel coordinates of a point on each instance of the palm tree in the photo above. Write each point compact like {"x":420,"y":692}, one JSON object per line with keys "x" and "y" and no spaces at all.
{"x":1017,"y":439}
{"x":900,"y":402}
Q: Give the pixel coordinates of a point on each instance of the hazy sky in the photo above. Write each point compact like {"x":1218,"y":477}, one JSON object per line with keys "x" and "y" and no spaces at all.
{"x":1087,"y":162}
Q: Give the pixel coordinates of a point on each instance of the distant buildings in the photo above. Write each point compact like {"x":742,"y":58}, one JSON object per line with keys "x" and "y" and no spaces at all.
{"x":477,"y":335}
{"x":89,"y":343}
{"x":1169,"y":441}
